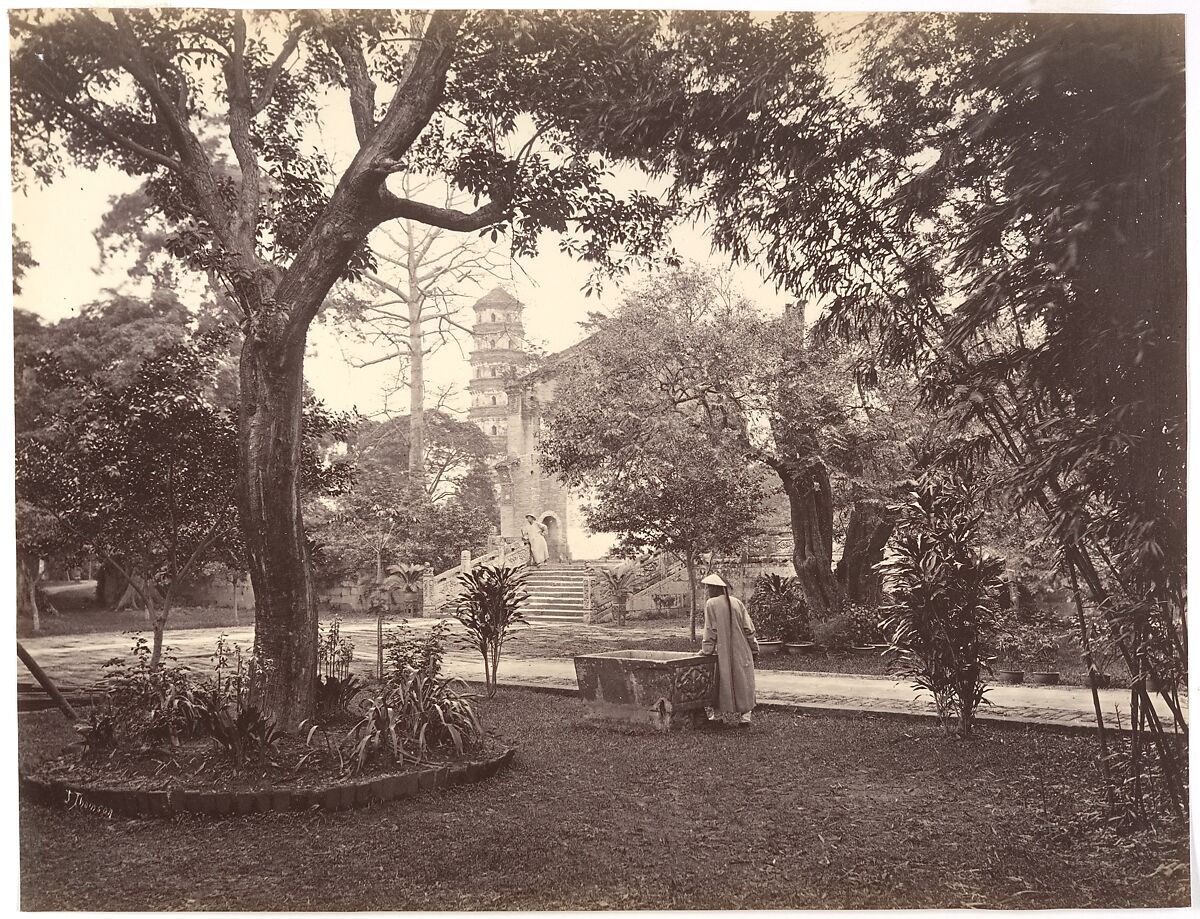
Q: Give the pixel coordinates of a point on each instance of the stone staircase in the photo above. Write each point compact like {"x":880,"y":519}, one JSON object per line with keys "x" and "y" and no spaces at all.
{"x":558,"y":591}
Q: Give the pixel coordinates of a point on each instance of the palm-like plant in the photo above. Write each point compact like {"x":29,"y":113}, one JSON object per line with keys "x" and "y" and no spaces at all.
{"x":488,"y":606}
{"x":620,"y":580}
{"x":943,"y":591}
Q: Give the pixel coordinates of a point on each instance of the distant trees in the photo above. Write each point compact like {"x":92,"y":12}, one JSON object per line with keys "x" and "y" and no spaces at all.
{"x":385,"y":518}
{"x":127,"y":446}
{"x":411,"y":304}
{"x":140,"y":473}
{"x":682,"y":352}
{"x":676,"y":489}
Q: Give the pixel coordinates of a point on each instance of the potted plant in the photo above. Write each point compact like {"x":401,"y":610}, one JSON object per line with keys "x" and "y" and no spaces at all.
{"x":620,"y":579}
{"x":865,"y":636}
{"x":1045,"y":653}
{"x":798,"y":631}
{"x":1010,"y":650}
{"x":773,"y":607}
{"x":832,"y":634}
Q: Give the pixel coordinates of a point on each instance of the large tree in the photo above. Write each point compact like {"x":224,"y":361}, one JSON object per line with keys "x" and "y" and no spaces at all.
{"x":522,"y":110}
{"x":411,"y":306}
{"x":684,"y":346}
{"x":1003,"y":213}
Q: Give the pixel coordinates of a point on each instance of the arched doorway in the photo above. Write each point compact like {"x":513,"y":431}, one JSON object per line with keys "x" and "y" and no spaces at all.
{"x":554,"y":547}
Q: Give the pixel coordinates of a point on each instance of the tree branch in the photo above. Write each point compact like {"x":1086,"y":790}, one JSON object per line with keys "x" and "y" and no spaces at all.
{"x":272,"y":78}
{"x":358,"y":79}
{"x":391,"y":207}
{"x":44,"y":80}
{"x":241,"y":114}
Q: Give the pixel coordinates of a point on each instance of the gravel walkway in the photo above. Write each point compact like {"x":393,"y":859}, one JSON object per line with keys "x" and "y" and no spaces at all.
{"x":540,"y":656}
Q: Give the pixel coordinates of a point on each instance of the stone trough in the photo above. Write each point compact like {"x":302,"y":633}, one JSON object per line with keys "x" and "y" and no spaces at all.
{"x":666,"y":690}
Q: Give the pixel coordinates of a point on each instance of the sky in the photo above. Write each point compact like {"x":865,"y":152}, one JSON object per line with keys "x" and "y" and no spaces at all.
{"x":58,"y":222}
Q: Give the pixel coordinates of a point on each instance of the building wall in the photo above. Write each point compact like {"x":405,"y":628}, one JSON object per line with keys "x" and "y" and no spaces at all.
{"x":525,"y":488}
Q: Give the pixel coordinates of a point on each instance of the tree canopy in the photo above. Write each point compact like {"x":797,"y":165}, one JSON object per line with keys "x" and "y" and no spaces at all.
{"x":524,"y":110}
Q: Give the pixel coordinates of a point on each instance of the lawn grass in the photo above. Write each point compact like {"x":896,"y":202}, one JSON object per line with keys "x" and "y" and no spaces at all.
{"x":800,"y":811}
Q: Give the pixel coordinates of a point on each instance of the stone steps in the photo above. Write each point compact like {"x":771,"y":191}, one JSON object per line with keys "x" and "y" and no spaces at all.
{"x":558,"y":591}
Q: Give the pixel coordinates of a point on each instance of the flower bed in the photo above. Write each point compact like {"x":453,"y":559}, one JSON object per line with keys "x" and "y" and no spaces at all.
{"x":167,"y":800}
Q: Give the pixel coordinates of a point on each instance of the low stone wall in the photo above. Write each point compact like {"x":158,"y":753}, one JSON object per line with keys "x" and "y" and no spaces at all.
{"x":340,"y":598}
{"x":341,"y":796}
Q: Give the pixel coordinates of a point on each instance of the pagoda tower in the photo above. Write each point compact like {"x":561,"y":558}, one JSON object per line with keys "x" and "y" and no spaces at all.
{"x":497,"y":357}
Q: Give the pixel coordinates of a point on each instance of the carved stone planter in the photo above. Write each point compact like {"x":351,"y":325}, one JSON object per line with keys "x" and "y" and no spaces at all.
{"x":666,"y":690}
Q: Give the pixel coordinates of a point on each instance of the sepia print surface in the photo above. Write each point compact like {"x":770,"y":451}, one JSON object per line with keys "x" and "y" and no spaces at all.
{"x":591,"y":459}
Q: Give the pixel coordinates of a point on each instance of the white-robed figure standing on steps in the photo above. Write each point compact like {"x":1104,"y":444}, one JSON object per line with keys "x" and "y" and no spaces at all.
{"x":729,"y":633}
{"x":534,"y":536}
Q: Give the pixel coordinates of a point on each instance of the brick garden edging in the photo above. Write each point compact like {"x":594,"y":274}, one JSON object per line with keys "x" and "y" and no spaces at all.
{"x":341,"y":796}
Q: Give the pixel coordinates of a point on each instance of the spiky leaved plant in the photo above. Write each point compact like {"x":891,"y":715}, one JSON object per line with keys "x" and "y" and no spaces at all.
{"x":488,"y":605}
{"x":779,"y":610}
{"x":943,"y":591}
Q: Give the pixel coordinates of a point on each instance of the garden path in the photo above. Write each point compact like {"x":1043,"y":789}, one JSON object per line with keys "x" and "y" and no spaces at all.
{"x":77,"y":660}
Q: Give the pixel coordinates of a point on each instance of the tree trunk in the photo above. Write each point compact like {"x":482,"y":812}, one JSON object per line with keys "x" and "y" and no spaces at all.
{"x":160,"y":626}
{"x":285,"y":634}
{"x":810,"y":502}
{"x":379,"y":645}
{"x":416,"y":382}
{"x":28,"y":569}
{"x":867,"y":532}
{"x":111,"y":585}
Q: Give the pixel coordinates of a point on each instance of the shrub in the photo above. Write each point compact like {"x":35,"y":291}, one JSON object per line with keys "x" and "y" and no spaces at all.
{"x":407,"y":652}
{"x":224,"y":709}
{"x":488,"y":606}
{"x":943,"y":593}
{"x":832,"y":633}
{"x":863,"y":624}
{"x":335,"y":695}
{"x":143,"y":705}
{"x":779,"y":610}
{"x":243,"y":733}
{"x":667,"y":605}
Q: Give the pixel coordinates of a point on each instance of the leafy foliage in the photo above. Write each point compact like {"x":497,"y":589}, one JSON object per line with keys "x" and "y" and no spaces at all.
{"x":417,"y":709}
{"x":780,"y":612}
{"x":738,"y":392}
{"x":383,"y":518}
{"x":407,"y":652}
{"x":486,"y":100}
{"x":863,"y":623}
{"x":943,"y":606}
{"x":489,"y":606}
{"x":143,"y":704}
{"x":149,"y":705}
{"x":335,"y":695}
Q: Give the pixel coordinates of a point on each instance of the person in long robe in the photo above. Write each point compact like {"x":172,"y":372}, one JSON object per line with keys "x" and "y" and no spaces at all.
{"x":729,"y":633}
{"x":534,"y":535}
